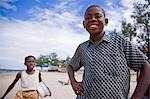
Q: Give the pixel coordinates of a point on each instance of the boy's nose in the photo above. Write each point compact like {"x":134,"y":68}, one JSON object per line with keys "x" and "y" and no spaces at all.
{"x":93,"y":19}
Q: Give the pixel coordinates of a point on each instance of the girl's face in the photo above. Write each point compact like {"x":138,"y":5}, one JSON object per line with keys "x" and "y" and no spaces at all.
{"x":30,"y":63}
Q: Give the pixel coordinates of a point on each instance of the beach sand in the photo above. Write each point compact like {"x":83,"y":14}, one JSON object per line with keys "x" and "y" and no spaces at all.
{"x":58,"y":90}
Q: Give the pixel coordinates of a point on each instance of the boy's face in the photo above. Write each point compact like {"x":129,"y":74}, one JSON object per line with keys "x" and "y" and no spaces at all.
{"x":94,"y":21}
{"x":30,"y":63}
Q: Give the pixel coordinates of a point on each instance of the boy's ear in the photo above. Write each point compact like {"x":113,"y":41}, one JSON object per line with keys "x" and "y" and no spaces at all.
{"x":106,"y":21}
{"x":84,"y":24}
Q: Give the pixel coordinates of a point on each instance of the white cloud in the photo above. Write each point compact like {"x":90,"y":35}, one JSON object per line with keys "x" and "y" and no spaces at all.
{"x":6,"y":4}
{"x":22,"y":38}
{"x":108,"y":3}
{"x":115,"y":18}
{"x":37,"y":1}
{"x":128,"y":9}
{"x":58,"y":29}
{"x":48,"y":31}
{"x":52,"y":17}
{"x":117,"y":13}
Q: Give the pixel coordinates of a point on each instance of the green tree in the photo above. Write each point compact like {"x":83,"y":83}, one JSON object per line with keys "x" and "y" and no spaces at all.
{"x":43,"y":61}
{"x":47,"y":60}
{"x":141,"y":16}
{"x":128,"y":30}
{"x":53,"y":58}
{"x":68,"y":60}
{"x":64,"y":63}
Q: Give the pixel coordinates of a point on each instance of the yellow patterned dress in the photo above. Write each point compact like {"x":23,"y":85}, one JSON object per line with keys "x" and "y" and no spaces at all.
{"x":26,"y":95}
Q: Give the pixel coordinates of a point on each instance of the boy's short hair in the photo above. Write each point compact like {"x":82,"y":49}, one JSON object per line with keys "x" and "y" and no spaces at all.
{"x":94,"y":5}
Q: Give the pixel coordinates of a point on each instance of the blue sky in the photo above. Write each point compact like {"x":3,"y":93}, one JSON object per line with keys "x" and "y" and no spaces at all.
{"x":35,"y":27}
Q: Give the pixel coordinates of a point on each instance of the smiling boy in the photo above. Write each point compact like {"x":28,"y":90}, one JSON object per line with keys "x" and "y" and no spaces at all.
{"x":107,"y":60}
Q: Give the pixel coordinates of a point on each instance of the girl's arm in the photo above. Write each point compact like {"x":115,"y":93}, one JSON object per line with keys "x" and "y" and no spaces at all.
{"x":12,"y":85}
{"x":40,"y":78}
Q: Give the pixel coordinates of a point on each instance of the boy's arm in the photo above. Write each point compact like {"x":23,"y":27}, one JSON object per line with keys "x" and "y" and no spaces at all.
{"x":143,"y":82}
{"x":77,"y":86}
{"x":12,"y":85}
{"x":71,"y":74}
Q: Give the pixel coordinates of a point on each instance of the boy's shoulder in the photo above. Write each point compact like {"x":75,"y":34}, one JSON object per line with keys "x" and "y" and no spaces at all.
{"x":118,"y":37}
{"x":84,"y":43}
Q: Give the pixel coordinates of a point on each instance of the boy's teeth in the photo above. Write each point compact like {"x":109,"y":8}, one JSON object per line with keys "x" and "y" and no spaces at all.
{"x":92,"y":26}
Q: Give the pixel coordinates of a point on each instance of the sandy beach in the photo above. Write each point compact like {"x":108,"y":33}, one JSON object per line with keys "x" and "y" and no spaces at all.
{"x":59,"y":91}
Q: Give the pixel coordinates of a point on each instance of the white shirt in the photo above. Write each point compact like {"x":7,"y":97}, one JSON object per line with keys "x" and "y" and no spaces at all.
{"x":29,"y":82}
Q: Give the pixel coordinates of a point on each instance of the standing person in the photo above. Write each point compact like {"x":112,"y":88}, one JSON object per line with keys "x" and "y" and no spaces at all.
{"x":30,"y":79}
{"x":107,"y":60}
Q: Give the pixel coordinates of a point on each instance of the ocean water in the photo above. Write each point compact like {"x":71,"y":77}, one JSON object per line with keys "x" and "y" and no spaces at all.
{"x":8,"y":70}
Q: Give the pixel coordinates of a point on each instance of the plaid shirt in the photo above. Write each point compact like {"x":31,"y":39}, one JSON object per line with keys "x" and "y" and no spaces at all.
{"x":106,"y":67}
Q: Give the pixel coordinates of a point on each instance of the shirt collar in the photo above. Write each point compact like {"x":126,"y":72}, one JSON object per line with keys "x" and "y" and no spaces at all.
{"x":105,"y":38}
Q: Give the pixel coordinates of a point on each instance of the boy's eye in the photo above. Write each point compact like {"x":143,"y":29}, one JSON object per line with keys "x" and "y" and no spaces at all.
{"x":98,"y":16}
{"x":87,"y":18}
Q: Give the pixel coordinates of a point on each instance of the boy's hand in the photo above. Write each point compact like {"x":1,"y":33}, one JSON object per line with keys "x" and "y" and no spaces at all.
{"x":77,"y":87}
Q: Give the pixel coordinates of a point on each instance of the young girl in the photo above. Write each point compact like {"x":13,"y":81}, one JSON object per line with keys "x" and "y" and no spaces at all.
{"x":30,"y":79}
